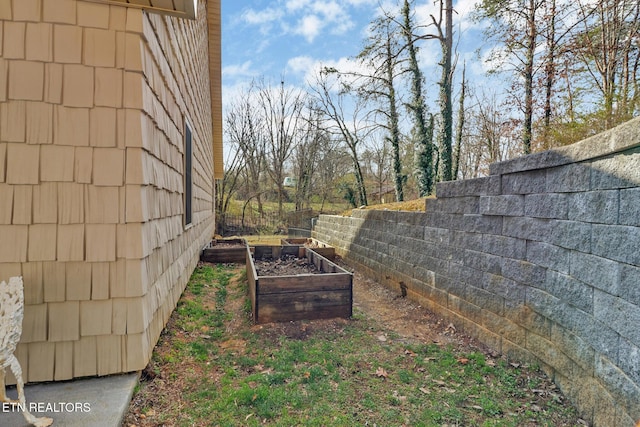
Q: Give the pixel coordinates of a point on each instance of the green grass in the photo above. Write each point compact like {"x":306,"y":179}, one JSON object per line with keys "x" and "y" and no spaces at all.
{"x":337,"y":374}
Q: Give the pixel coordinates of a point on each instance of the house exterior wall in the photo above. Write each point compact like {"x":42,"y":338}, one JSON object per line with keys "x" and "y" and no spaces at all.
{"x":93,"y":104}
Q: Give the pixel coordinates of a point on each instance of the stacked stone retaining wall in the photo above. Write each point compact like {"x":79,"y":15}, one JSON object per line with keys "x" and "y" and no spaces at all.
{"x":540,"y":261}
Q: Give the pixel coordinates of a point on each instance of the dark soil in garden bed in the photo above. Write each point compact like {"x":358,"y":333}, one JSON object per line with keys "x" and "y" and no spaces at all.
{"x":227,"y":245}
{"x":287,"y":265}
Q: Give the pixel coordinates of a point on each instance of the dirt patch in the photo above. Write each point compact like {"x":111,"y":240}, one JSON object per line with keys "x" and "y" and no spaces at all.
{"x":405,"y":317}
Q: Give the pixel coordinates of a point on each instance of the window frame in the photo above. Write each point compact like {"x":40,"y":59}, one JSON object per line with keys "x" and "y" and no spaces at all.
{"x":188,"y":175}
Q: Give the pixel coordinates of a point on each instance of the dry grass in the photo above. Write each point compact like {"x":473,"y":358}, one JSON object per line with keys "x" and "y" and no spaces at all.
{"x":416,"y":205}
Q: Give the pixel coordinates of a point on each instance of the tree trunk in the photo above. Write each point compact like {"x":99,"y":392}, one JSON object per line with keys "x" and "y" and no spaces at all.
{"x":550,"y":73}
{"x":394,"y":132}
{"x":445,"y":95}
{"x":424,"y":152}
{"x":528,"y":79}
{"x":456,"y":164}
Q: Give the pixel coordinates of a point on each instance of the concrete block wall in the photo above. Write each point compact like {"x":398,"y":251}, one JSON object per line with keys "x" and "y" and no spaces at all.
{"x":540,"y":261}
{"x":93,"y":101}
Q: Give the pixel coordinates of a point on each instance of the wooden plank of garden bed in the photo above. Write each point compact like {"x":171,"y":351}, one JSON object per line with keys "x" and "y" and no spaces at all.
{"x":252,"y":278}
{"x":219,"y":251}
{"x":272,"y":314}
{"x":321,"y":262}
{"x":269,"y":251}
{"x":304,"y":282}
{"x":312,"y":244}
{"x":311,"y":300}
{"x":294,"y":241}
{"x":227,"y":255}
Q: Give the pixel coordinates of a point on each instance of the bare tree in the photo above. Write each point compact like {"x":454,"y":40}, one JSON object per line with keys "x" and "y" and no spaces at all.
{"x":446,"y":87}
{"x":460,"y":129}
{"x":341,"y":115}
{"x":516,"y":25}
{"x":549,"y":68}
{"x":305,"y":158}
{"x":227,"y":187}
{"x":609,"y":47}
{"x":245,"y":131}
{"x":376,"y":157}
{"x":381,"y":56}
{"x":282,"y":110}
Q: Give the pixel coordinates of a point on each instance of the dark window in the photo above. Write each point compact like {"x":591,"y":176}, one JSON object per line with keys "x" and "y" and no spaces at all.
{"x":188,"y":180}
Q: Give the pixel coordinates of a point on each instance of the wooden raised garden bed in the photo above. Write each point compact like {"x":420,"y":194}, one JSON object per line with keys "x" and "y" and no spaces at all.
{"x":321,"y":294}
{"x":316,"y":245}
{"x":225,"y":250}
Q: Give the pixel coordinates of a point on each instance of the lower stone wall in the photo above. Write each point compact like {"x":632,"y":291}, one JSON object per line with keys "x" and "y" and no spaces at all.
{"x":540,"y":261}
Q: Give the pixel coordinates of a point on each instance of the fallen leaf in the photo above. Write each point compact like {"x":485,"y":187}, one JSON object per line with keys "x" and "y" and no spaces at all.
{"x":479,"y":408}
{"x":424,"y":390}
{"x":248,"y":416}
{"x":382,"y":338}
{"x":307,"y":374}
{"x":409,"y":353}
{"x":463,"y":360}
{"x":515,"y":365}
{"x":380,"y":372}
{"x":440,"y":383}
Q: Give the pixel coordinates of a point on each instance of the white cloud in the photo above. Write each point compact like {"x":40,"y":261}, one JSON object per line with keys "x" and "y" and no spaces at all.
{"x":295,"y":5}
{"x":238,"y":70}
{"x":301,"y":64}
{"x":309,"y":27}
{"x":331,"y":10}
{"x":311,"y":17}
{"x":261,"y":17}
{"x":362,"y":2}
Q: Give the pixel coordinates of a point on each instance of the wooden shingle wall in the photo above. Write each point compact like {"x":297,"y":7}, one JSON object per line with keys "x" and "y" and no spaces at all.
{"x":93,"y":102}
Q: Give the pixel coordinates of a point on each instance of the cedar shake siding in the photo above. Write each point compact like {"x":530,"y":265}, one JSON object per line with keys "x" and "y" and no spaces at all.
{"x":95,"y":99}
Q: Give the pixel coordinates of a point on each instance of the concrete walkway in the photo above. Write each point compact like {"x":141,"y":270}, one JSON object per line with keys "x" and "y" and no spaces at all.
{"x":96,"y":402}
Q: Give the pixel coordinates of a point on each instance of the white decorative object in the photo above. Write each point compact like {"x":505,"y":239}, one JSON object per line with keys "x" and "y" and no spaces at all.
{"x":11,"y":315}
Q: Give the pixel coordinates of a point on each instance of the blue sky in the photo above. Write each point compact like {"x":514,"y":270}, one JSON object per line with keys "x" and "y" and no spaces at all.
{"x":271,"y":38}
